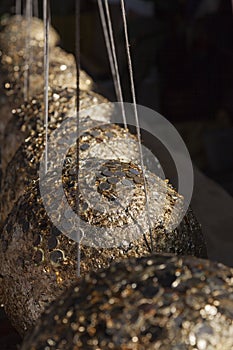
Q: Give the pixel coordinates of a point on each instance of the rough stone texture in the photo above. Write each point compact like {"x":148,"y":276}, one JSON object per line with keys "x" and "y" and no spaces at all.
{"x":14,"y":29}
{"x":157,"y":302}
{"x":13,"y":57}
{"x":24,"y":165}
{"x":28,"y":119}
{"x":37,"y":261}
{"x":62,"y":73}
{"x":62,"y":70}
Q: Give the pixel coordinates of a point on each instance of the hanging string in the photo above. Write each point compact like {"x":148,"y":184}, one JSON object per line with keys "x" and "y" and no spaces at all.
{"x":111,"y":49}
{"x":46,"y":6}
{"x":27,"y":50}
{"x":18,"y":7}
{"x":115,"y":62}
{"x":35,"y":8}
{"x":77,"y":54}
{"x":108,"y":46}
{"x":136,"y":115}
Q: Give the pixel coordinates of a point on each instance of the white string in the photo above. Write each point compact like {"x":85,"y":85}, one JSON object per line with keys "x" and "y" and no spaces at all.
{"x":28,"y":13}
{"x":111,"y":49}
{"x":35,"y":8}
{"x":108,"y":46}
{"x":18,"y":7}
{"x":46,"y":76}
{"x":136,"y":114}
{"x":80,"y":234}
{"x":79,"y":240}
{"x":115,"y":62}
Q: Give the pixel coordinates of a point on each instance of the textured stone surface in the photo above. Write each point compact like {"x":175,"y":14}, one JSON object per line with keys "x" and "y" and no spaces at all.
{"x":14,"y":56}
{"x":158,"y":302}
{"x":62,"y":72}
{"x":24,"y":165}
{"x":37,"y":261}
{"x":14,"y":29}
{"x":28,"y":119}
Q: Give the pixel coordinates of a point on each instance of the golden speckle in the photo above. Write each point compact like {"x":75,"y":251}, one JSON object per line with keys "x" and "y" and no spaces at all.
{"x":63,"y":67}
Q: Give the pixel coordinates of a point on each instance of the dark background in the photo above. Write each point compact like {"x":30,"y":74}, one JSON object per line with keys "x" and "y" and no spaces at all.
{"x":182,"y":55}
{"x":183,"y":64}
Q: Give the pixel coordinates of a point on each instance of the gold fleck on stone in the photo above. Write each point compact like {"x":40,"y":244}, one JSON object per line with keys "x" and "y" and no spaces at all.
{"x":152,"y":315}
{"x":50,"y":276}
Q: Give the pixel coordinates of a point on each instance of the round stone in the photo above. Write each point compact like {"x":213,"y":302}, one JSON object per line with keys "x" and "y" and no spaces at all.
{"x":38,"y":256}
{"x":155,"y":302}
{"x":104,"y":127}
{"x":85,"y":134}
{"x":107,"y":173}
{"x":138,"y":180}
{"x":52,"y":242}
{"x":55,"y":231}
{"x":37,"y":239}
{"x":84,"y":146}
{"x":57,"y":256}
{"x":103,"y":169}
{"x":104,"y":186}
{"x":113,"y":180}
{"x":119,"y":174}
{"x":112,"y":164}
{"x":109,"y":135}
{"x":134,"y":171}
{"x":95,"y":133}
{"x":130,"y":175}
{"x":100,"y":176}
{"x":126,"y":182}
{"x":85,"y":206}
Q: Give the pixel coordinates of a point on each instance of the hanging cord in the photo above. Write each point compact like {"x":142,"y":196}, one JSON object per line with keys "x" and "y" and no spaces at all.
{"x":28,"y":15}
{"x":35,"y":8}
{"x":46,"y":6}
{"x":111,"y":49}
{"x":136,"y":116}
{"x":18,"y":7}
{"x":115,"y":61}
{"x":108,"y":46}
{"x":80,"y":234}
